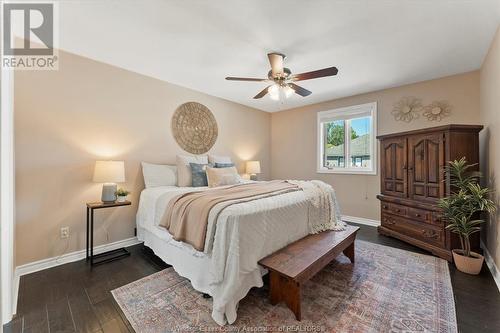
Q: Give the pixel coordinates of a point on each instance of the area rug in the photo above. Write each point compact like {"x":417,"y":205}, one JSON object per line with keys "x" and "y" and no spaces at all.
{"x":386,"y":290}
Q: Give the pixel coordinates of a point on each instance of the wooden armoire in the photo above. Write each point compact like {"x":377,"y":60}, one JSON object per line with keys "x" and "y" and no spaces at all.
{"x":413,"y":179}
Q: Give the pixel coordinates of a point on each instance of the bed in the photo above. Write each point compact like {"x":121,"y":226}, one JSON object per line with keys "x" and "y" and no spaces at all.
{"x":245,"y":233}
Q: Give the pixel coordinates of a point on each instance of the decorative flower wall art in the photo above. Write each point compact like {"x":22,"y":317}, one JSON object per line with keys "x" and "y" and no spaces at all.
{"x":407,"y":109}
{"x":437,"y":110}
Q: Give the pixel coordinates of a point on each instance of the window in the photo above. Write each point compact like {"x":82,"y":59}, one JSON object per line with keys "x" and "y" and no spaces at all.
{"x":346,"y":140}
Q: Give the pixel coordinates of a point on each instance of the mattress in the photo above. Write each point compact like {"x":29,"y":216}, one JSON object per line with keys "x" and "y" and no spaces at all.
{"x":238,"y":237}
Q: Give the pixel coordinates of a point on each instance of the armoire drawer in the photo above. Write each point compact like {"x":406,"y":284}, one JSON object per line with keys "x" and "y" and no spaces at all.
{"x":420,"y":214}
{"x":426,"y":232}
{"x":413,"y":213}
{"x":394,"y":209}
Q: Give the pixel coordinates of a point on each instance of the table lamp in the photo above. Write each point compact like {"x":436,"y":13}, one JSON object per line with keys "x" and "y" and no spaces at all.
{"x":109,"y":173}
{"x":253,"y":168}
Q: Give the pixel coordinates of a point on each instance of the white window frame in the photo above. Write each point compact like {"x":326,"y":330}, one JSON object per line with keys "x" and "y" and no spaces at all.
{"x":346,"y":113}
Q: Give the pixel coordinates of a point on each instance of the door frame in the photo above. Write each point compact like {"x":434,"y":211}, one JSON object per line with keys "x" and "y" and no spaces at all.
{"x":7,"y":195}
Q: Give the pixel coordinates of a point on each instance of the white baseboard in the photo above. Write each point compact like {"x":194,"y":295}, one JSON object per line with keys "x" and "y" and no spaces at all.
{"x":491,"y":265}
{"x":39,"y":265}
{"x":15,"y":292}
{"x":360,"y":220}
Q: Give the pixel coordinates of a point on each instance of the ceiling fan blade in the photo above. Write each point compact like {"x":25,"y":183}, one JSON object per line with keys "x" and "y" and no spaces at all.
{"x":276,"y":61}
{"x":330,"y":71}
{"x":299,"y":90}
{"x":232,"y":78}
{"x":262,"y":93}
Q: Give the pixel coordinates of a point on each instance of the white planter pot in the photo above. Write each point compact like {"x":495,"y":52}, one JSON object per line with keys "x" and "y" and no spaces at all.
{"x":121,"y":198}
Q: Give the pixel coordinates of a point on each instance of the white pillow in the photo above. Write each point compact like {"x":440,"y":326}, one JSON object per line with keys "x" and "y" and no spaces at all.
{"x":184,"y":169}
{"x":219,"y":159}
{"x":159,"y":174}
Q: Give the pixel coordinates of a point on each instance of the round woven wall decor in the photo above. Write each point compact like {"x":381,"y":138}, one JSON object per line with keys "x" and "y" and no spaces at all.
{"x":194,"y":127}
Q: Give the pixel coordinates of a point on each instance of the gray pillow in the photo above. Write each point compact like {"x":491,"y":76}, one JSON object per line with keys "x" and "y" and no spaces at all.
{"x":199,"y":174}
{"x":224,"y":165}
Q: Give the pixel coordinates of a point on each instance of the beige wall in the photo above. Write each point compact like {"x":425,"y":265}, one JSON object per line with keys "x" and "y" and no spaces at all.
{"x":293,"y":135}
{"x":66,"y":119}
{"x":490,"y":138}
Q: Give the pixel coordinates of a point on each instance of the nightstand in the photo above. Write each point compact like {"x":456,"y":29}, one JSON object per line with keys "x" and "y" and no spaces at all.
{"x":108,"y":256}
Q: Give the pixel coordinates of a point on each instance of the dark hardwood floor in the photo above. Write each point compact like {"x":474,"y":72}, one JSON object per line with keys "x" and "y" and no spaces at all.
{"x":72,"y":297}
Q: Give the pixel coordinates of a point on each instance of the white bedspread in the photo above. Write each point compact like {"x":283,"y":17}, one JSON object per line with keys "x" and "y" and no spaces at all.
{"x":244,"y":234}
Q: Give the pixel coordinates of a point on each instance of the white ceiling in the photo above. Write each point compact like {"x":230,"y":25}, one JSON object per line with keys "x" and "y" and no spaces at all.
{"x":196,"y":44}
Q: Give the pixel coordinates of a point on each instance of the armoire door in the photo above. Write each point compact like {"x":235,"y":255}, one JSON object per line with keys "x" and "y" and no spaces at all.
{"x":394,"y":165}
{"x":426,"y":166}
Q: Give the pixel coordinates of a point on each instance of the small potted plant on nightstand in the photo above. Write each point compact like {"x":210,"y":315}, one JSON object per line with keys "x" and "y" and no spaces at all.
{"x":461,"y":209}
{"x":121,"y":195}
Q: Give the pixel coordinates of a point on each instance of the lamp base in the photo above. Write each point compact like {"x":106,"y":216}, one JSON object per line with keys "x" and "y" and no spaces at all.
{"x":108,"y":192}
{"x":253,"y":176}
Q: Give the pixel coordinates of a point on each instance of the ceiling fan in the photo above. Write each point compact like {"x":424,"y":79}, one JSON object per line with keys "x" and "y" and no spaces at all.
{"x":283,"y":80}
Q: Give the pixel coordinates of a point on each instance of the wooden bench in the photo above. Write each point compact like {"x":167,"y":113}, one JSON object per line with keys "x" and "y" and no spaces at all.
{"x":296,"y":263}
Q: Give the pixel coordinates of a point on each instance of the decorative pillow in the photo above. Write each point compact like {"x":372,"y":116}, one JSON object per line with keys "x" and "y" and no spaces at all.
{"x":219,"y":159}
{"x":199,"y":174}
{"x":224,"y":165}
{"x":159,"y":174}
{"x":184,"y":169}
{"x":222,"y":176}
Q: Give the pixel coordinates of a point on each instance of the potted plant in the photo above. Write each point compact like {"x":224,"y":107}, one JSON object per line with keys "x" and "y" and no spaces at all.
{"x":121,"y":195}
{"x":462,"y":209}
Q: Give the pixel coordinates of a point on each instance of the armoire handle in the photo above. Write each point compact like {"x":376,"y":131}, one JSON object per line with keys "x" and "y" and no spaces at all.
{"x":430,"y":234}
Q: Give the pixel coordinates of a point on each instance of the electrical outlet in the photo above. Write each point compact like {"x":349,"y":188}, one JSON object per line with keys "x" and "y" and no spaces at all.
{"x":64,"y":232}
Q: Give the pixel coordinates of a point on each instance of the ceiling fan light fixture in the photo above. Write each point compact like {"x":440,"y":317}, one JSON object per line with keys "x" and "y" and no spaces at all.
{"x":288,"y":91}
{"x":282,"y":81}
{"x":274,"y":92}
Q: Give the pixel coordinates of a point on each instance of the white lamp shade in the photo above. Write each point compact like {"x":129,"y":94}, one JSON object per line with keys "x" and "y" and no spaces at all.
{"x":253,"y":167}
{"x":109,"y":172}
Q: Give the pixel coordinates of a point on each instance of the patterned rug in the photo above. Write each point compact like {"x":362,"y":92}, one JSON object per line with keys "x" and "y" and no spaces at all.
{"x":387,"y":290}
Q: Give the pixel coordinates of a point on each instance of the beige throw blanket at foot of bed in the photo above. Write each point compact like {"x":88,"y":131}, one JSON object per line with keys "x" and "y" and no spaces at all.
{"x":186,"y":215}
